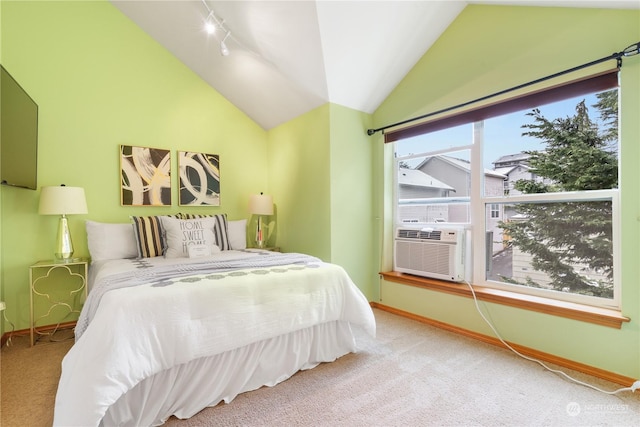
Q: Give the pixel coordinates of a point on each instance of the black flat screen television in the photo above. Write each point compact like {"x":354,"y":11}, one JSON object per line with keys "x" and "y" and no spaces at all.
{"x":18,"y":134}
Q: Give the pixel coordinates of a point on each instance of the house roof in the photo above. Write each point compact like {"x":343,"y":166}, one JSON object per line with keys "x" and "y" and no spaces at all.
{"x":461,"y":164}
{"x":507,"y":170}
{"x":418,"y":178}
{"x":508,"y":158}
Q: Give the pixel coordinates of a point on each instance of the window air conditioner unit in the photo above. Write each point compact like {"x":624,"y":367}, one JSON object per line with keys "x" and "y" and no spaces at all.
{"x":428,"y":252}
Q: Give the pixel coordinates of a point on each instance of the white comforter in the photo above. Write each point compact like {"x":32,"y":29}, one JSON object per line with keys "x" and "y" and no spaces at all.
{"x":138,"y":331}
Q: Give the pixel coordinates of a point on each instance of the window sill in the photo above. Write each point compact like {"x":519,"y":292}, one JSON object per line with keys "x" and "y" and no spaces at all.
{"x":600,"y":316}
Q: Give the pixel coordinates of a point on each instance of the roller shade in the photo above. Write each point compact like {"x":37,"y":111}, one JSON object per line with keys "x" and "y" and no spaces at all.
{"x":595,"y":83}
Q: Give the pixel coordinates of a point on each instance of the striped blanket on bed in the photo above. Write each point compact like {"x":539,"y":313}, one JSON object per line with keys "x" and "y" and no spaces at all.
{"x":141,"y":273}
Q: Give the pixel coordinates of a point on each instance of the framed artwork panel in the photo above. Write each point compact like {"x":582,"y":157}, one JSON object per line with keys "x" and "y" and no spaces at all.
{"x":199,"y":179}
{"x":145,"y":176}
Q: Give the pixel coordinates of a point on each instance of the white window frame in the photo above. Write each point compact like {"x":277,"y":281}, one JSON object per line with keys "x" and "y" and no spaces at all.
{"x":478,"y":212}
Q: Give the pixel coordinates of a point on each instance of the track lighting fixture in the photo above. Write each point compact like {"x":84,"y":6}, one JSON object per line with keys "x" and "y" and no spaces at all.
{"x":213,"y":24}
{"x":224,"y":50}
{"x":209,"y":25}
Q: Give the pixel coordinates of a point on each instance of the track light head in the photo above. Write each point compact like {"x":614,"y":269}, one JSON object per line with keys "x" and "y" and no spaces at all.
{"x":224,"y":50}
{"x":210,"y":23}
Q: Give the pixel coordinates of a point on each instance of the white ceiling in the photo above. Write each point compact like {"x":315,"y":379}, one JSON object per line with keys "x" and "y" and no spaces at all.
{"x":289,"y":57}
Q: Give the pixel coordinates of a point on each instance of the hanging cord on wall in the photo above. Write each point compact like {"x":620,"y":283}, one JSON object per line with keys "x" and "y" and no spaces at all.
{"x":630,"y":50}
{"x":635,"y":386}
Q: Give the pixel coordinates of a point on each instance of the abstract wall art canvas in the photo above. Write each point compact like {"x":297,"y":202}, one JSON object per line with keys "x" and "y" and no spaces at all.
{"x":145,"y":176}
{"x":199,"y":179}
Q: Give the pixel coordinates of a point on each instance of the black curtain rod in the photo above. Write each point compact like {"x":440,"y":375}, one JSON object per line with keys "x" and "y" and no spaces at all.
{"x":631,"y":50}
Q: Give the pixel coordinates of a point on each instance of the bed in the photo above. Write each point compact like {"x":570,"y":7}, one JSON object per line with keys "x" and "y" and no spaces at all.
{"x":161,"y":336}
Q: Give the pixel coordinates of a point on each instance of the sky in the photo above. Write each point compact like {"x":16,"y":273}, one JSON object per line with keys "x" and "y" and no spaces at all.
{"x":502,"y":135}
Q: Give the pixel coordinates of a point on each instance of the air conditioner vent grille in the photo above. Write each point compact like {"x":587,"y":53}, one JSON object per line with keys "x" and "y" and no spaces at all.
{"x":407,"y":233}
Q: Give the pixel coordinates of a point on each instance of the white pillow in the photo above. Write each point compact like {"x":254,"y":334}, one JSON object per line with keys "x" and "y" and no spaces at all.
{"x":237,"y":231}
{"x":182,"y":233}
{"x":111,"y":241}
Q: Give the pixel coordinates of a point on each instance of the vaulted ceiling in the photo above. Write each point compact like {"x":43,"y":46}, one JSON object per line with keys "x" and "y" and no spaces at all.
{"x":289,"y":57}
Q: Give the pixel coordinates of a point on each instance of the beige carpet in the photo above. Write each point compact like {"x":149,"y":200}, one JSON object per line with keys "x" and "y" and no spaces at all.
{"x":30,"y":380}
{"x":410,"y":375}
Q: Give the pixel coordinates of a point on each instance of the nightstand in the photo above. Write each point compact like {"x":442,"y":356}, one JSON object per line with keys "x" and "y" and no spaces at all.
{"x":57,"y":287}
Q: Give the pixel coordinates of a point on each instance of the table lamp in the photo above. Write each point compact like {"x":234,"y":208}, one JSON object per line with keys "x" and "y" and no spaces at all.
{"x":62,"y":200}
{"x":260,"y":204}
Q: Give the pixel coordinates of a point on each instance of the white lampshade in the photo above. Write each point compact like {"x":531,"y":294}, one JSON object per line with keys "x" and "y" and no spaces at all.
{"x":62,"y":200}
{"x":260,"y":204}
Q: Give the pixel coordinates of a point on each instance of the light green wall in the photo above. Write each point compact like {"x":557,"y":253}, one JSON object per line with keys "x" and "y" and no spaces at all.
{"x":491,"y":48}
{"x":298,"y":157}
{"x":99,"y":82}
{"x":320,"y":168}
{"x":352,"y":219}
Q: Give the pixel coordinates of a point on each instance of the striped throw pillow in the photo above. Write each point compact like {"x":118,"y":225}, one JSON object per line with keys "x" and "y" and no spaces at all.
{"x":221,"y":230}
{"x":149,"y":235}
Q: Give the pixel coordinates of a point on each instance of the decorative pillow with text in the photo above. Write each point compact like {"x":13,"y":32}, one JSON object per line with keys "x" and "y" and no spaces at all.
{"x":221,"y":231}
{"x":180,"y":234}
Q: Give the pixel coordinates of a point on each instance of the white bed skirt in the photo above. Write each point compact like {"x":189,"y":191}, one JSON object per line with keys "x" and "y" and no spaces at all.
{"x":186,"y":389}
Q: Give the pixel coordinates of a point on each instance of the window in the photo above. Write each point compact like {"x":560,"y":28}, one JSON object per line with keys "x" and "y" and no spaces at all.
{"x":536,"y":185}
{"x":495,"y":210}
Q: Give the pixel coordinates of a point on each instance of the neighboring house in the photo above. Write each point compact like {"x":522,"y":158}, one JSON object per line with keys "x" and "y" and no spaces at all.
{"x":457,"y":173}
{"x":414,"y":186}
{"x":510,"y":160}
{"x":513,"y":173}
{"x":515,"y":167}
{"x":451,"y":170}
